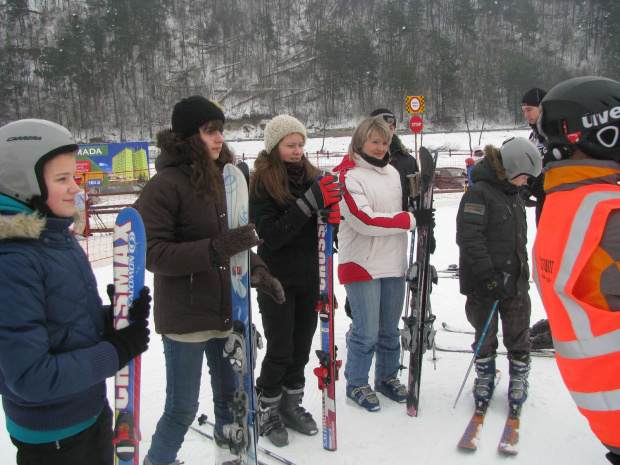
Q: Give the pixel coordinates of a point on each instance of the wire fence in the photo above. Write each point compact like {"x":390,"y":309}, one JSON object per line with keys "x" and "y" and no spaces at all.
{"x":106,"y":194}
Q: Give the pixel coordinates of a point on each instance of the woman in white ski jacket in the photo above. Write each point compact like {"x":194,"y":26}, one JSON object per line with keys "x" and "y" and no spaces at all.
{"x":372,"y":261}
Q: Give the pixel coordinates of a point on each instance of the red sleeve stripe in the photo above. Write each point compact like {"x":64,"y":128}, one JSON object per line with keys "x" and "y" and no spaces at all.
{"x":400,"y":221}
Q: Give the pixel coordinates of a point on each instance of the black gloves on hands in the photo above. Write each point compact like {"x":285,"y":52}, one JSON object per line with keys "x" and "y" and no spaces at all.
{"x":322,"y":193}
{"x":425,"y":217}
{"x":129,"y":341}
{"x":264,"y":282}
{"x":141,"y":307}
{"x":331,"y":214}
{"x":232,"y":241}
{"x":526,"y":194}
{"x":132,"y":340}
{"x":494,"y":283}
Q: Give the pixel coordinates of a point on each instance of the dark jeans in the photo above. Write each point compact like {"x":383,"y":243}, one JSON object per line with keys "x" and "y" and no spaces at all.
{"x":92,"y":446}
{"x":184,"y":362}
{"x":289,"y":329}
{"x":515,"y":313}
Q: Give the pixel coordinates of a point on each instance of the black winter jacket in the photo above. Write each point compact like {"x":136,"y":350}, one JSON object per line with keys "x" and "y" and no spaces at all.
{"x":290,"y":247}
{"x":491,"y":229}
{"x":405,"y":164}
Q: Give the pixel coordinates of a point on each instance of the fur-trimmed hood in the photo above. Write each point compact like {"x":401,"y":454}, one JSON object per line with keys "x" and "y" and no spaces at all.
{"x":21,"y":226}
{"x":491,"y":170}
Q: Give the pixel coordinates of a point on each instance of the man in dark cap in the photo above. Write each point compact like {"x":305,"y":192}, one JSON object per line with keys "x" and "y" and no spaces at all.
{"x":540,"y":333}
{"x":529,"y":103}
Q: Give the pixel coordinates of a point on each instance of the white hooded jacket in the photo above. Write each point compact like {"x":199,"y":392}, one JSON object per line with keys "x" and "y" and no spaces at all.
{"x":372,"y":238}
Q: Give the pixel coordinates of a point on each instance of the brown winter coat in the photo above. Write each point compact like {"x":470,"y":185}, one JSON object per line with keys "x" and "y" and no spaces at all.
{"x":192,"y":292}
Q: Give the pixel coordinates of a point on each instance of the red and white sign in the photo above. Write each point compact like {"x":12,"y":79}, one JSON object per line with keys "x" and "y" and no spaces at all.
{"x":416,"y":124}
{"x":82,"y":166}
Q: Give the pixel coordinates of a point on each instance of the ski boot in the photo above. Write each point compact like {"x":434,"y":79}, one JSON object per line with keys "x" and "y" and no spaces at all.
{"x":484,"y":383}
{"x":364,"y":396}
{"x":269,"y":421}
{"x":393,"y":389}
{"x":517,"y":389}
{"x":294,"y":415}
{"x":223,"y":454}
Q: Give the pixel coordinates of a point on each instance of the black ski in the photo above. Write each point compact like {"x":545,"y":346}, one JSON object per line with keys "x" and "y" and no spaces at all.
{"x":420,"y":275}
{"x":452,"y":329}
{"x":533,"y":352}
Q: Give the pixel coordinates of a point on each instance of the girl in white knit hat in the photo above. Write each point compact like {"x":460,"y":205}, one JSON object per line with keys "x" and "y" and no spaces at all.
{"x":285,"y":198}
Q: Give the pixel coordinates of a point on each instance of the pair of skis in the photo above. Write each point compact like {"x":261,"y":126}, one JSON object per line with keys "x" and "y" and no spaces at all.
{"x":418,"y":333}
{"x":244,"y":340}
{"x":327,"y":371}
{"x":510,"y":435}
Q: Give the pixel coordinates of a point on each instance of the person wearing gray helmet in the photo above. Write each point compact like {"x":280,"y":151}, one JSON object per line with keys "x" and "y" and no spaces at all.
{"x":492,"y":238}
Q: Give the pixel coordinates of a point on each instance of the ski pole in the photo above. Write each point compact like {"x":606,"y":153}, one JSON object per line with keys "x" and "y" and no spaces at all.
{"x":484,"y":332}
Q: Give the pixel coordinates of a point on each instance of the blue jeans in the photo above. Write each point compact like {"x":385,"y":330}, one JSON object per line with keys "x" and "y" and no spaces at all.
{"x":183,"y":372}
{"x":376,"y":307}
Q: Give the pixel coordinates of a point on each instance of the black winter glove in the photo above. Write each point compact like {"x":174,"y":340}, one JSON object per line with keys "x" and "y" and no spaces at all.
{"x":232,"y":241}
{"x":129,"y":341}
{"x":526,"y":194}
{"x":264,"y":282}
{"x":433,"y":243}
{"x":494,"y":283}
{"x":425,"y":217}
{"x":322,"y":193}
{"x":140,"y":308}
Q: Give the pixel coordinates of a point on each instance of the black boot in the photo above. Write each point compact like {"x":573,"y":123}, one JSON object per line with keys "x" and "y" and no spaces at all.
{"x":294,"y":415}
{"x":270,"y":423}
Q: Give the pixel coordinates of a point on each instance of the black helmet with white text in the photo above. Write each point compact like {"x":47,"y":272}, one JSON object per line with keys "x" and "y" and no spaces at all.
{"x":25,"y":146}
{"x":519,"y":156}
{"x":582,"y":113}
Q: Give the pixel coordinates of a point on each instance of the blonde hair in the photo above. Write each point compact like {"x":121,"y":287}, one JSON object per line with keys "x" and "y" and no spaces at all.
{"x":364,"y":131}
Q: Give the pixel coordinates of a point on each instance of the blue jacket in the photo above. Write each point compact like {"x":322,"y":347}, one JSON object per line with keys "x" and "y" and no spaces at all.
{"x":53,"y":361}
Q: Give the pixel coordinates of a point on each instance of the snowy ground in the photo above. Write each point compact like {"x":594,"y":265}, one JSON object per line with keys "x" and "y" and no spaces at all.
{"x":552,"y":432}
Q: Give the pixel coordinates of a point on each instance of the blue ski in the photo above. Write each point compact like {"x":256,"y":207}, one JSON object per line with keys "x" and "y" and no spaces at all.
{"x":129,"y":250}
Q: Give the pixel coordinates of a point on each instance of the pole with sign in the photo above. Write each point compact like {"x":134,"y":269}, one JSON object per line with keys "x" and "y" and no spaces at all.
{"x":416,"y":124}
{"x":414,"y":104}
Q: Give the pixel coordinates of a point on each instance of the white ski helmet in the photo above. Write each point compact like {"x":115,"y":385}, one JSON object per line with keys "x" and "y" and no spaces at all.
{"x":25,"y":146}
{"x":520,"y":156}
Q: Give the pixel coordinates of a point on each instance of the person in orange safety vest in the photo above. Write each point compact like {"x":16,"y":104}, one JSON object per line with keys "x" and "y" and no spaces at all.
{"x":577,"y":249}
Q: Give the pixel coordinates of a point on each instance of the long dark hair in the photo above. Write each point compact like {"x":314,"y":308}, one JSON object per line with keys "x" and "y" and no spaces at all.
{"x":207,"y":174}
{"x":271,"y":175}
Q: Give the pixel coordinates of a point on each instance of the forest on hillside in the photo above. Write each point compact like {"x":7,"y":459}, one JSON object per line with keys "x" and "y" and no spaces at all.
{"x":111,"y":70}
